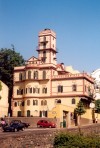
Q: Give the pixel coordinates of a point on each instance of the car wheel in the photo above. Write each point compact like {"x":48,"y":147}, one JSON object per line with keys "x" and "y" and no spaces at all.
{"x":15,"y":130}
{"x":50,"y":126}
{"x":38,"y":125}
{"x":23,"y":129}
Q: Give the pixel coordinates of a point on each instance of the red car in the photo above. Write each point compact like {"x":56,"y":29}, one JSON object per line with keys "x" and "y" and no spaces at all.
{"x":45,"y":123}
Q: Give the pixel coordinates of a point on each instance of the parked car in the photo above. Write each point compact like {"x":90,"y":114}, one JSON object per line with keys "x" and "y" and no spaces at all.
{"x":13,"y":127}
{"x":45,"y":123}
{"x":26,"y":125}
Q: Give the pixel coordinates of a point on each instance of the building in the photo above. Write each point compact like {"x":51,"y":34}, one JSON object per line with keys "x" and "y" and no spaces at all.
{"x":45,"y":88}
{"x":96,"y":75}
{"x":3,"y":99}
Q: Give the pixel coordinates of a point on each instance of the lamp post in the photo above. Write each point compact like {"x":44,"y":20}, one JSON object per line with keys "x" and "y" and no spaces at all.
{"x":92,"y":106}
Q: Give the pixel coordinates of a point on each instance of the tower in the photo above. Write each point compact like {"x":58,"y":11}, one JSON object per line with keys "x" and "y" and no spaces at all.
{"x":47,"y":46}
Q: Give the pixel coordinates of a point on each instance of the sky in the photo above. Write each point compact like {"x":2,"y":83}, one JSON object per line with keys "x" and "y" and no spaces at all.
{"x":76,"y":23}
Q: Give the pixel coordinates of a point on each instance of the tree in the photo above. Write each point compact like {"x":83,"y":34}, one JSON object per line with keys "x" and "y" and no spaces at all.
{"x":97,"y":106}
{"x":8,"y":60}
{"x":80,"y":109}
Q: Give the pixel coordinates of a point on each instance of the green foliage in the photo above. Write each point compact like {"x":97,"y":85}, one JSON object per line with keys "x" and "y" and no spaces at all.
{"x":97,"y":106}
{"x":80,"y":110}
{"x":8,"y":60}
{"x":68,"y":140}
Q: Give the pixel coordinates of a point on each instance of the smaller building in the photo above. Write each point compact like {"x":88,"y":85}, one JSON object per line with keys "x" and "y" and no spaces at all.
{"x":3,"y":99}
{"x":96,"y":75}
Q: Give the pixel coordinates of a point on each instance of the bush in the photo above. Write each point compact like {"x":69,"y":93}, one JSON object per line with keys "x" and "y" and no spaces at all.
{"x":67,"y":140}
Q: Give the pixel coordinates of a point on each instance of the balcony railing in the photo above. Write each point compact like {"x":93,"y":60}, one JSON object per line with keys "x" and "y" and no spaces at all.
{"x":78,"y":75}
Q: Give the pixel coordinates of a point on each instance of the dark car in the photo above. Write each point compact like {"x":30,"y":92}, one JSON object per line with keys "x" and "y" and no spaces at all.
{"x":26,"y":125}
{"x":45,"y":123}
{"x":13,"y":127}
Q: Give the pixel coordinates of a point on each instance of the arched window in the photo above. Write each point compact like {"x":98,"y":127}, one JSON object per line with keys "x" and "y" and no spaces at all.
{"x":28,"y":102}
{"x":35,"y":102}
{"x":74,"y":87}
{"x":42,"y":103}
{"x":35,"y":74}
{"x":44,"y":90}
{"x":44,"y":74}
{"x":24,"y":76}
{"x":28,"y":113}
{"x":15,"y":104}
{"x":29,"y":74}
{"x":45,"y":102}
{"x":73,"y":101}
{"x":29,"y":90}
{"x":20,"y":76}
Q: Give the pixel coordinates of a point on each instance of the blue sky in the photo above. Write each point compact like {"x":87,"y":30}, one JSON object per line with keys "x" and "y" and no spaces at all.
{"x":76,"y":23}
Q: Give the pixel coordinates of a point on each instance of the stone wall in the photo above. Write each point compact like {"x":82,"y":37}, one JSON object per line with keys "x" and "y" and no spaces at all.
{"x":44,"y":139}
{"x":33,"y":121}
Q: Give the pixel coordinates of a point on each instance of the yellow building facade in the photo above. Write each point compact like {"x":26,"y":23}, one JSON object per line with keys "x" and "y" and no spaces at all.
{"x":45,"y":88}
{"x":3,"y":99}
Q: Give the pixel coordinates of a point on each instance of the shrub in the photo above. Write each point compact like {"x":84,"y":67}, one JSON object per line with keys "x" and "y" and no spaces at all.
{"x":68,"y":140}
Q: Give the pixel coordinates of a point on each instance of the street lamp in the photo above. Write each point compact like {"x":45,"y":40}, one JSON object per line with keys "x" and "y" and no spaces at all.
{"x":92,"y":106}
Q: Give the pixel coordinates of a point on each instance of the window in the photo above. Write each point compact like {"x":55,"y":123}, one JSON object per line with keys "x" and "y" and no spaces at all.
{"x":28,"y":102}
{"x":19,"y":113}
{"x":19,"y":91}
{"x":37,"y":90}
{"x":20,"y":76}
{"x":19,"y":103}
{"x":35,"y":74}
{"x":29,"y":74}
{"x":28,"y":113}
{"x":60,"y":88}
{"x":15,"y":104}
{"x":74,"y":87}
{"x":44,"y":54}
{"x":44,"y":74}
{"x":33,"y":90}
{"x":35,"y":102}
{"x":44,"y":90}
{"x":23,"y":103}
{"x":44,"y":45}
{"x":43,"y":102}
{"x":40,"y":113}
{"x":73,"y":101}
{"x":29,"y":90}
{"x":24,"y":77}
{"x":59,"y":101}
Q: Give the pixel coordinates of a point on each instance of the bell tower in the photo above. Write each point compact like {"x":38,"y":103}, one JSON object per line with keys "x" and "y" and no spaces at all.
{"x":47,"y":46}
